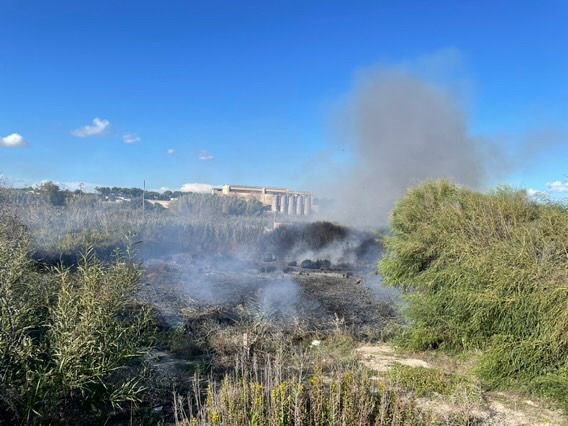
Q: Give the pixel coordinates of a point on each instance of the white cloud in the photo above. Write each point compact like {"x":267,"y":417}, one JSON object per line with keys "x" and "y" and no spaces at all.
{"x":13,"y":140}
{"x":532,"y":192}
{"x":130,"y":138}
{"x":171,"y":151}
{"x":98,"y":127}
{"x":557,"y":186}
{"x":197,"y":187}
{"x":535,"y":193}
{"x":205,"y":156}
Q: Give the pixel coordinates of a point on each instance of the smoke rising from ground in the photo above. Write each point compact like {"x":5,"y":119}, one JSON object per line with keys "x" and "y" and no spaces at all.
{"x":401,"y":130}
{"x":274,"y":278}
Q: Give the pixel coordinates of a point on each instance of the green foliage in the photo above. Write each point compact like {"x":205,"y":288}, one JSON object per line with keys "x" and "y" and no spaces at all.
{"x":67,"y":339}
{"x":24,"y":298}
{"x":119,"y":192}
{"x":485,"y":271}
{"x":425,"y":382}
{"x":136,"y":193}
{"x":346,"y":398}
{"x":53,"y":193}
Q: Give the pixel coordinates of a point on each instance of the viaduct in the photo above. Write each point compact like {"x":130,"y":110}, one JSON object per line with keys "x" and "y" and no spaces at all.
{"x":280,"y":200}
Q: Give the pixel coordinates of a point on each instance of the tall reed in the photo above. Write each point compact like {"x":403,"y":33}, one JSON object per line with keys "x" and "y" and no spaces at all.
{"x":67,"y":338}
{"x":271,"y":396}
{"x":486,"y":271}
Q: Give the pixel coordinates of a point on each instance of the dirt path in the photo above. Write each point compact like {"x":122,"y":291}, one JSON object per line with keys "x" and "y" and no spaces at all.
{"x":382,"y":357}
{"x":495,"y":408}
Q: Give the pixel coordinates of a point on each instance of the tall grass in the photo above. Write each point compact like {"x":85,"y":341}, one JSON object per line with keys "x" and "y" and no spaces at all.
{"x":486,"y":271}
{"x":67,"y":339}
{"x":195,"y":222}
{"x":269,"y":396}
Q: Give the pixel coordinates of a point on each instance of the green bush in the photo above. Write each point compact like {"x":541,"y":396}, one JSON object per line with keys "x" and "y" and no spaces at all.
{"x":67,"y":339}
{"x":485,"y":271}
{"x":426,"y":382}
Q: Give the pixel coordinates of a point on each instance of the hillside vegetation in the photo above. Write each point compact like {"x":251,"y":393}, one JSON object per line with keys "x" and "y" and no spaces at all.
{"x":485,"y":272}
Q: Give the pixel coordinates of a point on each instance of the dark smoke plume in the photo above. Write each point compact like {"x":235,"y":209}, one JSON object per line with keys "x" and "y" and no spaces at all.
{"x":401,"y":130}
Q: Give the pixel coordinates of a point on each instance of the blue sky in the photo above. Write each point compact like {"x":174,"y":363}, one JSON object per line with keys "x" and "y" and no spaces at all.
{"x":245,"y":91}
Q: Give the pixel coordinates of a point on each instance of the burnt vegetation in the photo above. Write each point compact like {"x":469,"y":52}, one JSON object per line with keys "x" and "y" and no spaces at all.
{"x":313,"y":236}
{"x":201,"y":313}
{"x":106,"y":310}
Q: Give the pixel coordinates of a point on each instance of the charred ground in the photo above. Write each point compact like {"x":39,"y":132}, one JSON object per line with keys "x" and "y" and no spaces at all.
{"x":301,"y":283}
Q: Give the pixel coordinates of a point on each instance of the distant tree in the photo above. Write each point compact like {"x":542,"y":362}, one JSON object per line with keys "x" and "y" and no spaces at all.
{"x":53,"y":193}
{"x":116,"y":191}
{"x":127,"y":192}
{"x":153,"y":195}
{"x":103,"y":190}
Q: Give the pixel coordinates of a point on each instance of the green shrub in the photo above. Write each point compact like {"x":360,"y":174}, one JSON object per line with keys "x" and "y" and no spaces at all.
{"x":264,"y":399}
{"x":67,"y":339}
{"x":425,"y":382}
{"x":485,"y":271}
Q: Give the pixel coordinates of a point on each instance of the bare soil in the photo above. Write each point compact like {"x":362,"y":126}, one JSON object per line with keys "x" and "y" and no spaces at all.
{"x":496,"y":408}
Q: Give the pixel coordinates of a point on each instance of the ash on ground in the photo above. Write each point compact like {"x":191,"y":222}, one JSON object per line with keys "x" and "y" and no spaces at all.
{"x":296,"y":276}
